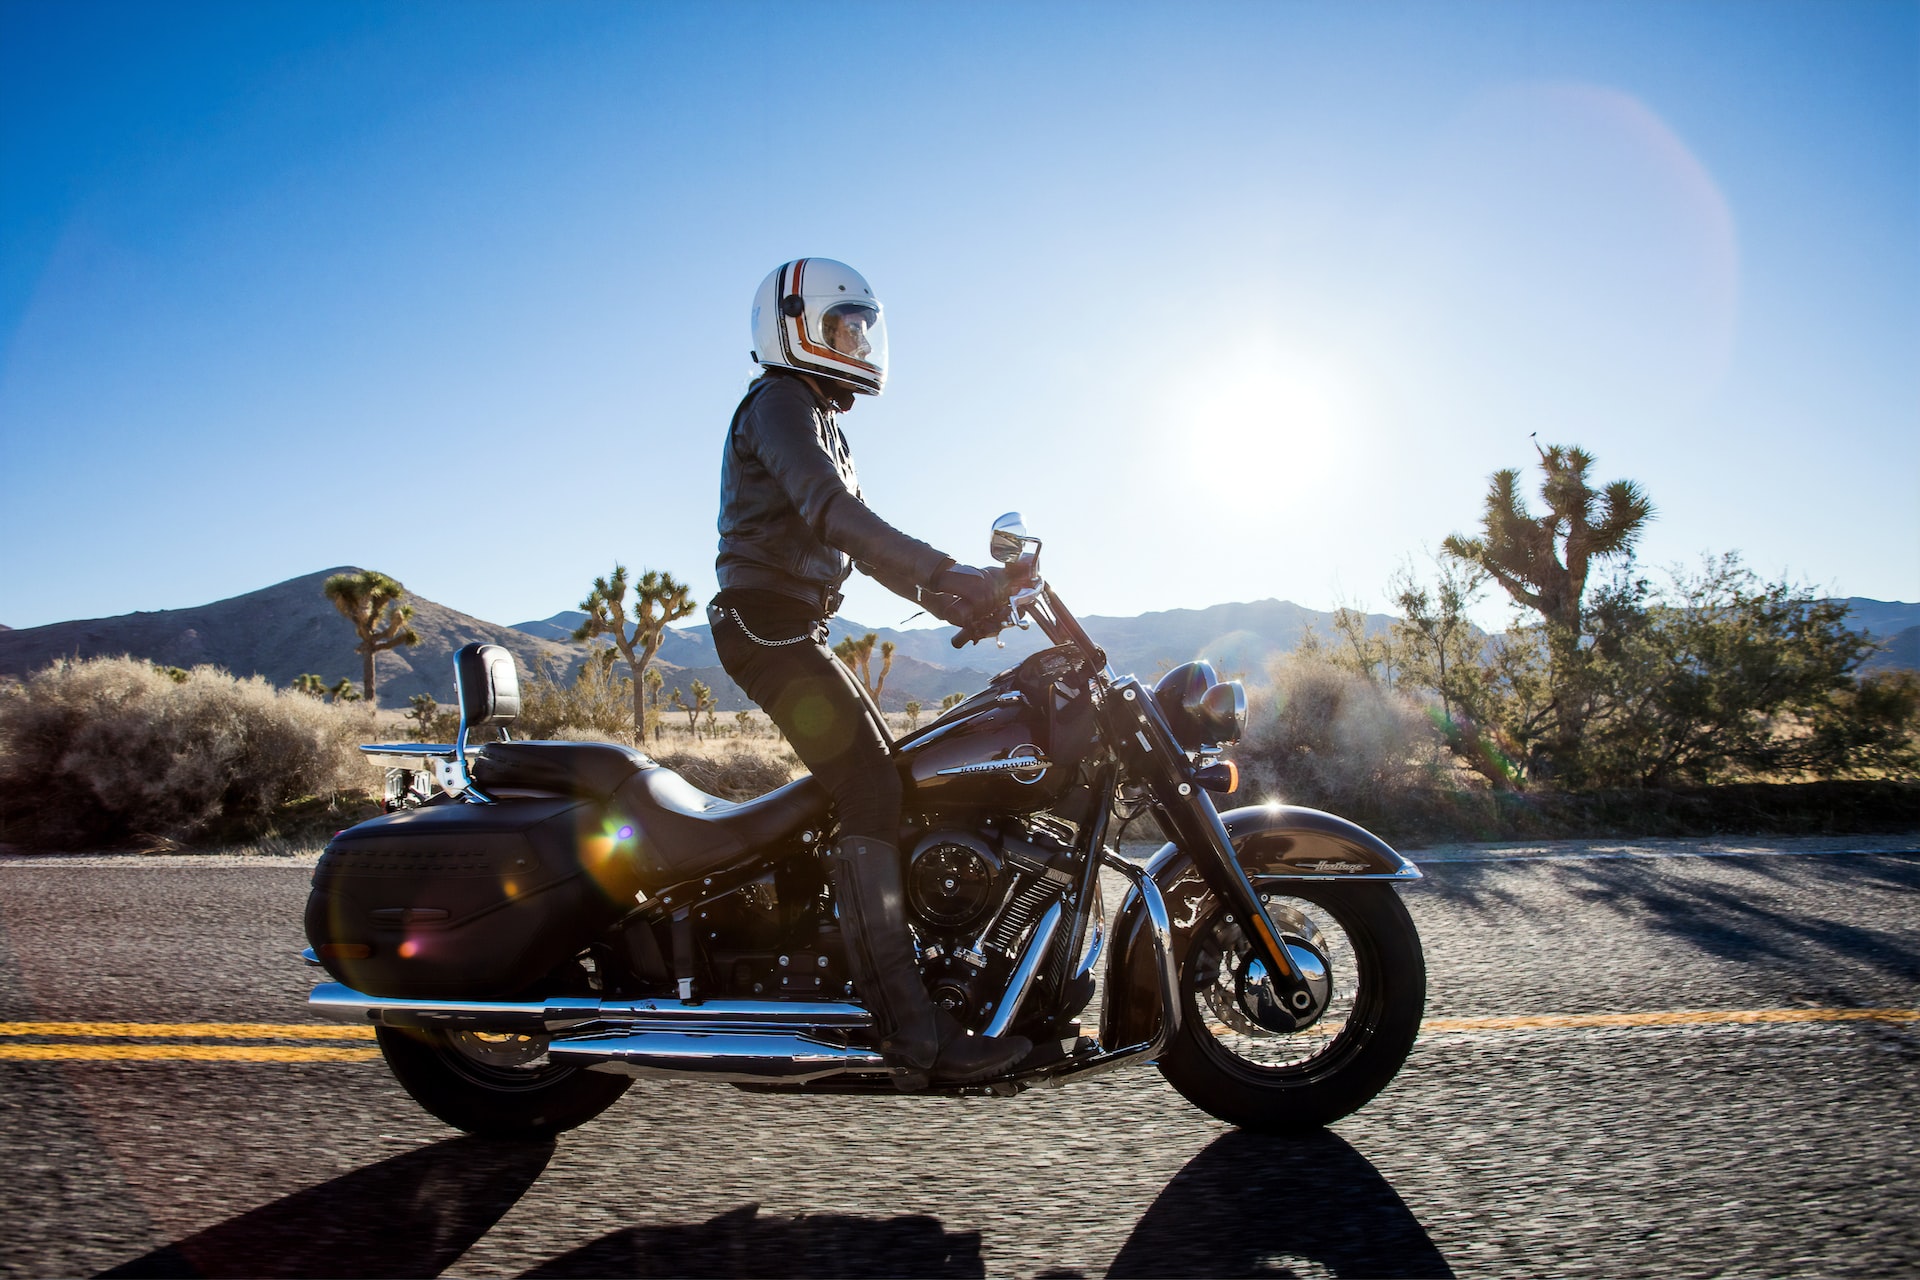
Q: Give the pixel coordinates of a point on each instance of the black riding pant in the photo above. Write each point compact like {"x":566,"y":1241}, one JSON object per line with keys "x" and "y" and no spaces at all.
{"x":775,"y":648}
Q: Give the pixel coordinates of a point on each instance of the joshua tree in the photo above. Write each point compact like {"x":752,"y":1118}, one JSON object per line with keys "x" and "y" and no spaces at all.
{"x":858,"y":655}
{"x":344,"y":692}
{"x":657,"y":600}
{"x":913,"y":714}
{"x":653,"y":680}
{"x":1543,"y":561}
{"x":951,"y":701}
{"x":743,"y":718}
{"x":371,"y":602}
{"x":700,"y":704}
{"x":310,"y":684}
{"x":422,"y":707}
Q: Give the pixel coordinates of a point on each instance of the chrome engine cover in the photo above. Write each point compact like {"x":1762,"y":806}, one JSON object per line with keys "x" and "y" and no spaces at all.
{"x":954,"y":880}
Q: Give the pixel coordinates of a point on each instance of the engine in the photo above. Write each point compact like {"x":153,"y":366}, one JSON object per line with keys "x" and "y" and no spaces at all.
{"x":972,"y":895}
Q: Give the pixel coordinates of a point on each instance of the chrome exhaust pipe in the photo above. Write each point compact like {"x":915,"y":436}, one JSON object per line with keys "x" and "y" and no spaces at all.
{"x":342,"y":1003}
{"x":721,"y":1056}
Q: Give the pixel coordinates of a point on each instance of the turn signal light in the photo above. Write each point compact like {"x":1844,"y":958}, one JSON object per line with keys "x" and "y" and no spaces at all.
{"x":1222,"y":776}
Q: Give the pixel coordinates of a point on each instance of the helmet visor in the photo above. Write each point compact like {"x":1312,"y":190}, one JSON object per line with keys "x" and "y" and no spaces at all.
{"x":855,"y":330}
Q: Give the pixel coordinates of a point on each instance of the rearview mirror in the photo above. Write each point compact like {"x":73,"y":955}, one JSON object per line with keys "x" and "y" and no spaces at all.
{"x":1009,"y":538}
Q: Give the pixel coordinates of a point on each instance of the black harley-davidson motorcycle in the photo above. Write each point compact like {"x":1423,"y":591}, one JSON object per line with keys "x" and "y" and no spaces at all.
{"x":534,"y":925}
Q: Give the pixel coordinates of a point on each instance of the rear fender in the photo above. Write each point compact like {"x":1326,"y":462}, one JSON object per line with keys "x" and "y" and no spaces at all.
{"x":1272,"y":843}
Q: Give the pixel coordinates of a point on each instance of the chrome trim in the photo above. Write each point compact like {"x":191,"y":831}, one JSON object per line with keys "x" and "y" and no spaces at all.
{"x":406,"y":755}
{"x":1099,"y":926}
{"x":1411,"y":873}
{"x":1022,"y":978}
{"x":720,"y":1056}
{"x":1008,"y":537}
{"x":1012,"y":764}
{"x":1161,"y":932}
{"x":1406,"y":872}
{"x":1160,"y":927}
{"x":342,"y":1003}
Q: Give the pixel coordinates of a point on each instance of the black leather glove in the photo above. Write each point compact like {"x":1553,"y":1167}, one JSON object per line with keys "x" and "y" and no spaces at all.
{"x":961,"y":593}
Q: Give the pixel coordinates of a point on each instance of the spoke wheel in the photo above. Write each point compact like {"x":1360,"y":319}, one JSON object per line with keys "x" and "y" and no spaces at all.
{"x":1232,"y":997}
{"x":496,"y":1085}
{"x":1236,"y":1059}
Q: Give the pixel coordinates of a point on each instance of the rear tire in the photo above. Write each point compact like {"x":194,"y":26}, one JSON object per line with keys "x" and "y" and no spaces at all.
{"x":1290,"y":1083}
{"x":496,"y":1086}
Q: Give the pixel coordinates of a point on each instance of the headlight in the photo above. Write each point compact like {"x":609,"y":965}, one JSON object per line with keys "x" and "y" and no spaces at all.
{"x":1200,"y":708}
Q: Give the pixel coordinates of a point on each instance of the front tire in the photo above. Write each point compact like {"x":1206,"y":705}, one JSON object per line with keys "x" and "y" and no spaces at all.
{"x":1229,"y":1065}
{"x":496,"y":1086}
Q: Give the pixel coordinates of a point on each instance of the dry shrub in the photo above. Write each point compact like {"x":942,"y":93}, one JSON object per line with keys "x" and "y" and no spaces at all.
{"x":736,"y":771}
{"x":596,"y":706}
{"x":114,"y":751}
{"x":1331,"y":739}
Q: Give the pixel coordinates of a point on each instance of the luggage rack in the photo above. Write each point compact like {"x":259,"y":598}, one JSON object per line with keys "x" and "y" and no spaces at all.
{"x":487,"y":685}
{"x":415,"y":770}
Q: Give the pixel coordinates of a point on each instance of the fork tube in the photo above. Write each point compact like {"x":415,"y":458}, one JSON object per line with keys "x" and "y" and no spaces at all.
{"x":1092,"y":842}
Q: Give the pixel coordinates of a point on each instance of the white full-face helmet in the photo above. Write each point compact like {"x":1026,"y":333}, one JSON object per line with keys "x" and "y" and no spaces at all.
{"x":820,"y":316}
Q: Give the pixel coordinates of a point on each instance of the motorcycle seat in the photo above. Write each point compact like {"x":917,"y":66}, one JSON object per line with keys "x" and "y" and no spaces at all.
{"x":690,"y":833}
{"x":684,"y":831}
{"x":586,"y":770}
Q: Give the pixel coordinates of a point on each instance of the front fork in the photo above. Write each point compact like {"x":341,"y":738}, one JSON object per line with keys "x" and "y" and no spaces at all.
{"x":1150,"y":754}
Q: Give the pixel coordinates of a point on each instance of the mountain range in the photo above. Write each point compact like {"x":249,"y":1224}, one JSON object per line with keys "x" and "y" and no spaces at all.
{"x":289,"y":629}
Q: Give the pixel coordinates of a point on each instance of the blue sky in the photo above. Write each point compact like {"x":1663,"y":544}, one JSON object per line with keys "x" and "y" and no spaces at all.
{"x":1231,"y":301}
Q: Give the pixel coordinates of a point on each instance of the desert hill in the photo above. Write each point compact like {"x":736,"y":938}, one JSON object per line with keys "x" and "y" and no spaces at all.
{"x":281,"y":632}
{"x":1895,"y":624}
{"x":690,"y":649}
{"x":1234,"y":637}
{"x":1238,"y":639}
{"x":290,"y":628}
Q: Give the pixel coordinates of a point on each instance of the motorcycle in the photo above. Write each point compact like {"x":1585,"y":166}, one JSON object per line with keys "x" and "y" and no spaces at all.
{"x":532,"y":926}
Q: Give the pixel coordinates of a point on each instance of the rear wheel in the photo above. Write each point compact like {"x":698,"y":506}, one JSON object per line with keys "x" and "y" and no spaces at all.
{"x":496,"y":1085}
{"x":1230,"y":1060}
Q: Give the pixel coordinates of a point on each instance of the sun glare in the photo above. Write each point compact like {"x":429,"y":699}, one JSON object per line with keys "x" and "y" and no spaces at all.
{"x":1267,"y":411}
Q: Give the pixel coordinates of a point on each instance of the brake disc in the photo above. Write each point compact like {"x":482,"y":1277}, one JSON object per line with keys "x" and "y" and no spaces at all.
{"x":499,"y":1049}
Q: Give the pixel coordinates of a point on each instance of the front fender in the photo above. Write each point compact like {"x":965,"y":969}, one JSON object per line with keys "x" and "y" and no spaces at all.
{"x":1272,"y":842}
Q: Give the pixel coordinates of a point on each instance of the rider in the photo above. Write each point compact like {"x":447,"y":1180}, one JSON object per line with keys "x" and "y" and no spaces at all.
{"x":793,"y":524}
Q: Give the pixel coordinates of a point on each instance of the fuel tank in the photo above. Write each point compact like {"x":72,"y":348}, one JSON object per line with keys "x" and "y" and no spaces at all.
{"x":1014,"y":747}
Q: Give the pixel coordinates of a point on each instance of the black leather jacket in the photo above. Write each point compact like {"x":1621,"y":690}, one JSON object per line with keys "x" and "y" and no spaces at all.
{"x":791,"y":516}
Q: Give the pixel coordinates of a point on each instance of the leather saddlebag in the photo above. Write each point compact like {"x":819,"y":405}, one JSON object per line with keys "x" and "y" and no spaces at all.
{"x":466,"y":901}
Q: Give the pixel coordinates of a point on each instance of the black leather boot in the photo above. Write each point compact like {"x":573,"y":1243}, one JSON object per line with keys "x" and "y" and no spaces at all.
{"x":920,"y":1042}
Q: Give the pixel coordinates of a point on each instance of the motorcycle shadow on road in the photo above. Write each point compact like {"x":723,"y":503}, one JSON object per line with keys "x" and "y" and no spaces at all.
{"x":742,"y":1242}
{"x":1251,"y":1205}
{"x":412,"y":1215}
{"x":1245,"y":1206}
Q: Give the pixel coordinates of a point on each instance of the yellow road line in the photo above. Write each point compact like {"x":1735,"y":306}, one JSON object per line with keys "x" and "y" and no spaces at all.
{"x":1671,"y":1018}
{"x":182,"y":1053}
{"x":194,"y":1030}
{"x":16,"y":1051}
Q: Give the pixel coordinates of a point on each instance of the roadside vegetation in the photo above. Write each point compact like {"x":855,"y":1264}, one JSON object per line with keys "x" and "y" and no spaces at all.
{"x":1615,"y":702}
{"x":1699,"y":700}
{"x":116,"y":752}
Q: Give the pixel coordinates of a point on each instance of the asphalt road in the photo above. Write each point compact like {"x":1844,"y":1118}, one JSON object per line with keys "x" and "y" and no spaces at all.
{"x":1542,"y":1126}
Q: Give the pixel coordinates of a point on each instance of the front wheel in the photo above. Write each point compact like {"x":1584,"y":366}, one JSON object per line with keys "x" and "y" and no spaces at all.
{"x":496,"y":1086}
{"x":1228,"y":1061}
